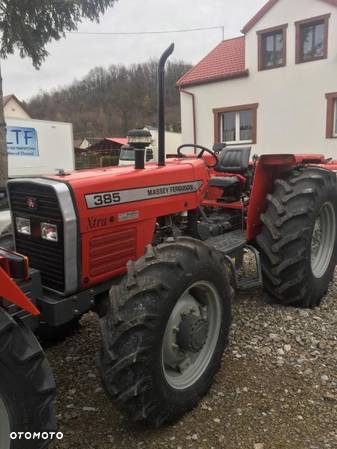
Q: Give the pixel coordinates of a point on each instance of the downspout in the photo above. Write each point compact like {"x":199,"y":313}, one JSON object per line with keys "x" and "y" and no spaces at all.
{"x":183,"y":91}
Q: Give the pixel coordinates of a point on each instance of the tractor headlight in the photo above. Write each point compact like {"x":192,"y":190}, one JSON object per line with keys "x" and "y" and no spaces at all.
{"x":23,"y":225}
{"x":49,"y":232}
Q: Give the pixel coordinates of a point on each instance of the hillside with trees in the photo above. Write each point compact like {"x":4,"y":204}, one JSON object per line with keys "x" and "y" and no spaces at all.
{"x":110,"y":101}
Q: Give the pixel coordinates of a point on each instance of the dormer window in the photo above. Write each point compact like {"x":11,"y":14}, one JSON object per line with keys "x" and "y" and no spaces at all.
{"x":272,"y":47}
{"x":312,"y":39}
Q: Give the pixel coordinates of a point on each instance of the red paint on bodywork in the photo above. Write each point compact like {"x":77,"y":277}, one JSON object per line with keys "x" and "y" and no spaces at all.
{"x":213,"y":194}
{"x":111,"y":235}
{"x":211,"y":203}
{"x":106,"y":227}
{"x":263,"y":184}
{"x":12,"y":293}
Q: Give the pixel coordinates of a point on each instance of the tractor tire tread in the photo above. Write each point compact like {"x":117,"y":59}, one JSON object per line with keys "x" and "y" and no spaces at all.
{"x":285,"y":239}
{"x":19,"y":348}
{"x":128,"y":337}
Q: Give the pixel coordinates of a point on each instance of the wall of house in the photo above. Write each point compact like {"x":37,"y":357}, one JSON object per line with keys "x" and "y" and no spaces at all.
{"x":14,"y":110}
{"x":172,"y":142}
{"x":291,"y":116}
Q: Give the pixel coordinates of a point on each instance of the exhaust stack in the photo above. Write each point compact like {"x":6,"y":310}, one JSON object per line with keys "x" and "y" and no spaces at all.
{"x":161,"y":104}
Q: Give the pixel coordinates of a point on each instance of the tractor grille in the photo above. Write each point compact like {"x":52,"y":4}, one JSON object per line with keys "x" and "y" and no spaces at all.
{"x":45,"y":256}
{"x":112,"y":251}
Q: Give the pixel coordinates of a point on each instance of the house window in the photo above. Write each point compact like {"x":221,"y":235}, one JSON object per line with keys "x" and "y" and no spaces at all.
{"x":331,"y":120}
{"x":272,"y":44}
{"x":235,"y":125}
{"x":312,"y":39}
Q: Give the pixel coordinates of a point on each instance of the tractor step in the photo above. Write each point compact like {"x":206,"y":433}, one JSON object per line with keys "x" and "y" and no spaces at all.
{"x":229,"y":243}
{"x":234,"y":246}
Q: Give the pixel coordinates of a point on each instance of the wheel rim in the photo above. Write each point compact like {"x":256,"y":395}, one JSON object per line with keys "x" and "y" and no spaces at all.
{"x":191,"y":335}
{"x":323,"y":240}
{"x":4,"y":426}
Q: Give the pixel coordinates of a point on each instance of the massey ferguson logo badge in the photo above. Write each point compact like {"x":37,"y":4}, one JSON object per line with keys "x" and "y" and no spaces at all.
{"x":31,"y":203}
{"x":112,"y":198}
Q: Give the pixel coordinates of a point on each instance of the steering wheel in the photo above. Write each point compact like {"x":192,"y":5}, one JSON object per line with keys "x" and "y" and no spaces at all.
{"x":203,"y":150}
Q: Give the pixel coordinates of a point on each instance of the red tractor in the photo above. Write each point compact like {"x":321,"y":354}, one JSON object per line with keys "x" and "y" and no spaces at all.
{"x":154,"y":250}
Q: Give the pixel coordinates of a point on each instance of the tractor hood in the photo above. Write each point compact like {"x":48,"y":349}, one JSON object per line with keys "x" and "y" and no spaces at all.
{"x":111,"y":193}
{"x":107,"y":215}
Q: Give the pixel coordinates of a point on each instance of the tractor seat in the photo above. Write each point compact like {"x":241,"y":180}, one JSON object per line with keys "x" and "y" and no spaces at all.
{"x":234,"y":160}
{"x":223,"y":181}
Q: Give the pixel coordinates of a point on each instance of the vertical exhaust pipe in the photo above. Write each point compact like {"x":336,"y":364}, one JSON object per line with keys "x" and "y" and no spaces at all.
{"x":161,"y":104}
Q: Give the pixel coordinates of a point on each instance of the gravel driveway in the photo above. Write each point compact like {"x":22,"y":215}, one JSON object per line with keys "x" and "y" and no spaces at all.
{"x":277,"y":388}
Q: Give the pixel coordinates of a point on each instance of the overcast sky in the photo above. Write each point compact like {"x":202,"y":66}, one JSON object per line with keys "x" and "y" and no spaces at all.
{"x":73,"y":57}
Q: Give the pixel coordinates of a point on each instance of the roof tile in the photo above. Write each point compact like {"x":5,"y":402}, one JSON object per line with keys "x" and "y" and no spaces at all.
{"x":227,"y":60}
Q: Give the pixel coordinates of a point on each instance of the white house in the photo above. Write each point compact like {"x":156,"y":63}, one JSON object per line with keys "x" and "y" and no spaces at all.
{"x":274,"y":87}
{"x":13,"y":108}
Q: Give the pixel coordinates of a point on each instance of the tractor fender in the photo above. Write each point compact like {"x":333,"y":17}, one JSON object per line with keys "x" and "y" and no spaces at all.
{"x":269,"y":168}
{"x":12,"y":293}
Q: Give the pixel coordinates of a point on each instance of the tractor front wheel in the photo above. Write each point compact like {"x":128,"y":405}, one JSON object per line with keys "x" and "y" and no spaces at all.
{"x":27,"y":388}
{"x":298,"y":241}
{"x":165,"y":330}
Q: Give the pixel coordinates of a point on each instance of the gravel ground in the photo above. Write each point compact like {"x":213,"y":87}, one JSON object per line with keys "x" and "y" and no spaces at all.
{"x":277,"y":388}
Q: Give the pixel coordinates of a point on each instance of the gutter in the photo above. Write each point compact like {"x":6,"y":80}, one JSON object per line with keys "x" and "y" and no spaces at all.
{"x":183,"y":91}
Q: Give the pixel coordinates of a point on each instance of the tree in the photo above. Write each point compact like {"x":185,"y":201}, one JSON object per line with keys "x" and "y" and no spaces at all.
{"x":28,"y":26}
{"x":110,"y":101}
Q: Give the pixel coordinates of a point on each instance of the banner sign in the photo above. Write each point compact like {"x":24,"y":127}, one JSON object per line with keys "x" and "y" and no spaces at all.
{"x":22,"y":141}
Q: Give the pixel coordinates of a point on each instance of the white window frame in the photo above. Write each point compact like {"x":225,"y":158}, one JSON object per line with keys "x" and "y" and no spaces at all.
{"x":237,"y":130}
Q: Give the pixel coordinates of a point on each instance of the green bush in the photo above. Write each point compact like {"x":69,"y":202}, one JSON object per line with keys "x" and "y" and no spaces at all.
{"x":87,"y":161}
{"x":109,"y":161}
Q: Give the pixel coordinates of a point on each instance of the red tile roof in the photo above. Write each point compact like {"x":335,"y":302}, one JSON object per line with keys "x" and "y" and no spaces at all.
{"x":118,"y":140}
{"x":265,"y":8}
{"x":226,"y":61}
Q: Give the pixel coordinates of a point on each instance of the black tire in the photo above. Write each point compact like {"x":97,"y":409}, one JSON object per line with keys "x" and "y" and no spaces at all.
{"x":285,"y":241}
{"x":134,"y":327}
{"x":27,"y":386}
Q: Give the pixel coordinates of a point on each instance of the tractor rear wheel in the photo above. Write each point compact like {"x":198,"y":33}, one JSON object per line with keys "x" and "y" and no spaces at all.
{"x":27,"y":387}
{"x":165,"y":330}
{"x":298,"y":241}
